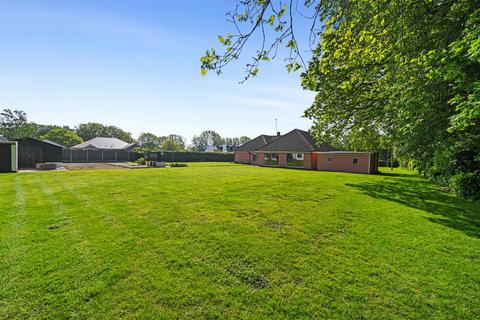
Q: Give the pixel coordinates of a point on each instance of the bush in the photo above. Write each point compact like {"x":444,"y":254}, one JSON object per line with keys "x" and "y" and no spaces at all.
{"x":141,"y":161}
{"x":178,"y":165}
{"x":167,"y":156}
{"x":412,"y":165}
{"x":466,"y":184}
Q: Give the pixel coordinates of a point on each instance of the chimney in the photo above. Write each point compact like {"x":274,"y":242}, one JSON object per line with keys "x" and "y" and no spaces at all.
{"x":278,"y":133}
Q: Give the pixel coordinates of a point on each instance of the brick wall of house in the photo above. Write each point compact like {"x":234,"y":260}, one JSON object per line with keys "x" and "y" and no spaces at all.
{"x":282,"y":159}
{"x":242,"y":157}
{"x":343,"y":162}
{"x":307,"y":161}
{"x":260,"y":159}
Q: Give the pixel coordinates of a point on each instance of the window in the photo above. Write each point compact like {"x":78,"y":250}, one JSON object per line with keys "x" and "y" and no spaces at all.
{"x":271,"y":159}
{"x":295,"y":159}
{"x":329,"y":160}
{"x":355,"y":161}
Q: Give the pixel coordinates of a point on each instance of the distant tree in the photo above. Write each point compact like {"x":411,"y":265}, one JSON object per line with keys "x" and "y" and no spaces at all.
{"x":174,"y":141}
{"x":150,"y":142}
{"x":172,"y":145}
{"x":13,"y":123}
{"x":228,"y":140}
{"x":243,"y":139}
{"x":115,"y":132}
{"x":66,"y":137}
{"x":236,"y":141}
{"x":205,"y":139}
{"x":92,"y":130}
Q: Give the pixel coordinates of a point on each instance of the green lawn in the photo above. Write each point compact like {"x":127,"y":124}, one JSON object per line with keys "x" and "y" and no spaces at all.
{"x":231,"y":241}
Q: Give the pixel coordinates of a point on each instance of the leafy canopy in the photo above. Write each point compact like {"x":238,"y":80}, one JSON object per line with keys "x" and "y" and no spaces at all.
{"x":388,"y":74}
{"x":63,"y":136}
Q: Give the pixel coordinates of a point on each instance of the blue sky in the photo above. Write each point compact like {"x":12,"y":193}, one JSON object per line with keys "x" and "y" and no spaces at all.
{"x":135,"y":64}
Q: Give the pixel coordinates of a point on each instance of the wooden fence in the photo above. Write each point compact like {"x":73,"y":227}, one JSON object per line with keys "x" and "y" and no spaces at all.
{"x":69,"y":155}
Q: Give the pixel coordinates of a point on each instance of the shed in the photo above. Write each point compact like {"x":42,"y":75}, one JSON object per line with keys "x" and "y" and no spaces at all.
{"x":8,"y":156}
{"x":33,"y":151}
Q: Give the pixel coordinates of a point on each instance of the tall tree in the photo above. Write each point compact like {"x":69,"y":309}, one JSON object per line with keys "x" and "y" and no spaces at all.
{"x":236,"y":141}
{"x":403,"y":73}
{"x":115,"y":132}
{"x":172,"y":145}
{"x":92,"y":130}
{"x":176,"y":141}
{"x":205,"y":139}
{"x":13,"y":123}
{"x":150,"y":142}
{"x":62,"y":136}
{"x":243,"y":139}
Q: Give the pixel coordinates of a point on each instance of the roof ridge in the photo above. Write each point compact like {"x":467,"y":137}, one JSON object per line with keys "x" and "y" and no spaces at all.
{"x":275,"y":140}
{"x":305,"y":139}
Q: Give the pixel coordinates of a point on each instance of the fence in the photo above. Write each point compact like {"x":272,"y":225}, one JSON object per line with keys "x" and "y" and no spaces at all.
{"x":191,"y":157}
{"x":69,"y":155}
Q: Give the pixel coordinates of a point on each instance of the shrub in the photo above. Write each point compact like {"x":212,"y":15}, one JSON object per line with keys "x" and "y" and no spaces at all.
{"x":178,"y":165}
{"x":412,"y":165}
{"x":141,"y":161}
{"x":466,"y":184}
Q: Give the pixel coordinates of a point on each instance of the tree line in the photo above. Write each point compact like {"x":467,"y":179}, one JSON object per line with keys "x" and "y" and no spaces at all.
{"x":402,"y":76}
{"x":14,"y":124}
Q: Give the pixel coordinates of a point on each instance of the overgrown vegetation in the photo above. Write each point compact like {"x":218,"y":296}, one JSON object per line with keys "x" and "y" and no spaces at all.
{"x":235,"y":242}
{"x":141,"y":161}
{"x":401,"y":75}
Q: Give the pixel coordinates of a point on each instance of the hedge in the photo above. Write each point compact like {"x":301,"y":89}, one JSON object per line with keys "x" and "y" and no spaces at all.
{"x":191,"y":157}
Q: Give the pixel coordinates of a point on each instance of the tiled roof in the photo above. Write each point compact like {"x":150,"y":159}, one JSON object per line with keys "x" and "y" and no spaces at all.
{"x":102,"y":143}
{"x":54,"y":143}
{"x":295,"y":141}
{"x":256,"y":143}
{"x":130,"y":145}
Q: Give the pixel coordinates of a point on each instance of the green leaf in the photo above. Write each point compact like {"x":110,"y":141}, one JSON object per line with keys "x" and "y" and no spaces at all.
{"x":271,"y":20}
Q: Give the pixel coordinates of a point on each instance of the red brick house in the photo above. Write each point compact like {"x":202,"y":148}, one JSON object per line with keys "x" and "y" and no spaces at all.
{"x":295,"y":149}
{"x":298,"y":149}
{"x":246,"y":152}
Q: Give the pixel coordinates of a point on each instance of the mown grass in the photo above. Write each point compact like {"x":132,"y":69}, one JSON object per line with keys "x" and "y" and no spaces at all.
{"x":230,"y":241}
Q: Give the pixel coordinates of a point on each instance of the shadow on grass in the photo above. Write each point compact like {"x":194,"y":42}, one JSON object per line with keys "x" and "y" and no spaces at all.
{"x":396,"y":174}
{"x":415,"y":192}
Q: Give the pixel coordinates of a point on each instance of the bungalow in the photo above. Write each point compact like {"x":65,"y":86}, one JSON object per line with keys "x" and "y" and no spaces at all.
{"x":246,"y":152}
{"x":295,"y":149}
{"x":103,"y":143}
{"x":298,"y":149}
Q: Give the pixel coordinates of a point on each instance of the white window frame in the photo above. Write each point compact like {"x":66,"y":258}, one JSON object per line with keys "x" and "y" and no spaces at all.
{"x":299,"y":156}
{"x":329,"y":160}
{"x":353,"y":161}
